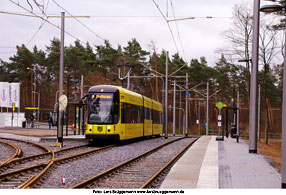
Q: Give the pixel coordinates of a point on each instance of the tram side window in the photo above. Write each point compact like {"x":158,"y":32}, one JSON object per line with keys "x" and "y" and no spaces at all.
{"x":128,"y":113}
{"x":157,"y":117}
{"x":122,"y":113}
{"x":131,"y":113}
{"x":147,"y":113}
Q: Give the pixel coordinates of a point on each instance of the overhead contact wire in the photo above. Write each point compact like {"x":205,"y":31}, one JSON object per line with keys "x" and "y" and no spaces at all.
{"x":46,"y":20}
{"x":167,"y":24}
{"x":79,"y":21}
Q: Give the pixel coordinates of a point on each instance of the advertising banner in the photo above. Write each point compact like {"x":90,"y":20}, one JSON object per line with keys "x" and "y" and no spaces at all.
{"x":4,"y":94}
{"x":9,"y":94}
{"x":14,"y":94}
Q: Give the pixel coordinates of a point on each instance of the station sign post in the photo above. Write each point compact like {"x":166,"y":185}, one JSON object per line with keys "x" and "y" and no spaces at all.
{"x":220,"y":105}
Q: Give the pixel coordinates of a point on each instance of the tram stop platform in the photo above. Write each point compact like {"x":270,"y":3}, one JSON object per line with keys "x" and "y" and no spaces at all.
{"x":38,"y":134}
{"x":211,"y":164}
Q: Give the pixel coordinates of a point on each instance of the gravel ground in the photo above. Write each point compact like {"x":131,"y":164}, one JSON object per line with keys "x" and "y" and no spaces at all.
{"x":27,"y":149}
{"x":6,"y":152}
{"x":126,"y":178}
{"x":81,"y":169}
{"x":67,"y":143}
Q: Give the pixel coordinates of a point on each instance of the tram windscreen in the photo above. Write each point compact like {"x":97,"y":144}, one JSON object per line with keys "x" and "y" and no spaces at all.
{"x":103,"y":108}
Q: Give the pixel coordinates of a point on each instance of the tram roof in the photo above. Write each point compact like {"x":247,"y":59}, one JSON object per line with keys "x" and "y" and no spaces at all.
{"x":113,"y":88}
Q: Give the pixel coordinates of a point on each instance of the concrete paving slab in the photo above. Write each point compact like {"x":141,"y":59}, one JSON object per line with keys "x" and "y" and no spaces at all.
{"x":249,"y":170}
{"x":185,"y":173}
{"x":221,"y":164}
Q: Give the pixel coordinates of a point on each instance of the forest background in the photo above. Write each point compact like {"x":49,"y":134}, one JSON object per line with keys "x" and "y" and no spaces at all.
{"x":99,"y":65}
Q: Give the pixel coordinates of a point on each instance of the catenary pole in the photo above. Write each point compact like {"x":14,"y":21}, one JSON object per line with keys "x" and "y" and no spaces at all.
{"x":81,"y":109}
{"x":187,"y":92}
{"x":237,"y":114}
{"x":259,"y":107}
{"x":180,"y":106}
{"x":283,"y":162}
{"x":162,"y":100}
{"x":199,"y":118}
{"x":174,"y":109}
{"x":166,"y":97}
{"x":34,"y":70}
{"x":253,"y":82}
{"x":60,"y":124}
{"x":207,"y":117}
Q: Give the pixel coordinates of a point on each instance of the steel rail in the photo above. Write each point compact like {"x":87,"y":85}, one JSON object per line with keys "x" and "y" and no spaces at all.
{"x":47,"y":165}
{"x":44,"y":148}
{"x":7,"y":178}
{"x":18,"y":153}
{"x":82,"y":154}
{"x":152,"y":179}
{"x":104,"y":173}
{"x":21,"y":170}
{"x":37,"y":178}
{"x":29,"y":158}
{"x":71,"y":148}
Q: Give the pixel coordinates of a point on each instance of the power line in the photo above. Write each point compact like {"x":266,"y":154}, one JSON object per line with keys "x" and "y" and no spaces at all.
{"x":45,"y":20}
{"x":178,"y":31}
{"x":171,"y":34}
{"x":47,"y":6}
{"x":199,"y":17}
{"x":17,"y":14}
{"x":79,"y":21}
{"x":178,"y":18}
{"x":179,"y":40}
{"x":97,"y":34}
{"x":168,"y":25}
{"x":39,"y":7}
{"x":42,"y":24}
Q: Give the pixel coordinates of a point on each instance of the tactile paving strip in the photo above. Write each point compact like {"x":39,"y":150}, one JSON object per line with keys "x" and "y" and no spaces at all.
{"x":209,"y":173}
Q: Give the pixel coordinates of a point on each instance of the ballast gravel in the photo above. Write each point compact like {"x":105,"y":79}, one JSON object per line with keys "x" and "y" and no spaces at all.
{"x":6,"y":152}
{"x":27,"y":148}
{"x":81,"y":169}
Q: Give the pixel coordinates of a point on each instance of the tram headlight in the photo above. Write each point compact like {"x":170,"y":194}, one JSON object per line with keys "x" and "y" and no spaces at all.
{"x":108,"y":128}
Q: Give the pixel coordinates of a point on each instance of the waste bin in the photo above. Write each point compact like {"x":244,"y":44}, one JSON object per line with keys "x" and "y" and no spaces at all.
{"x":233,"y":132}
{"x":24,"y":124}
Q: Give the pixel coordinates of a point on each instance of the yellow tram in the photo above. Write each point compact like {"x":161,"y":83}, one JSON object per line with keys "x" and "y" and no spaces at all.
{"x":115,"y":113}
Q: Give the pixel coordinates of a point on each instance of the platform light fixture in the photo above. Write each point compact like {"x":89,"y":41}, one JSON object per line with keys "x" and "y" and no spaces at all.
{"x":271,"y":9}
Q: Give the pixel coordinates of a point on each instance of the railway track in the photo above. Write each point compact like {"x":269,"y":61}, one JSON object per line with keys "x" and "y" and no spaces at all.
{"x":18,"y":178}
{"x":141,"y":171}
{"x":19,"y":172}
{"x":27,"y":153}
{"x":35,"y":171}
{"x":39,"y":180}
{"x":28,"y":148}
{"x":7,"y":155}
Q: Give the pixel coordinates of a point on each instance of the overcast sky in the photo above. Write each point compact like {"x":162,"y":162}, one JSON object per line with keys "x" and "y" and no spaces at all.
{"x":200,"y":36}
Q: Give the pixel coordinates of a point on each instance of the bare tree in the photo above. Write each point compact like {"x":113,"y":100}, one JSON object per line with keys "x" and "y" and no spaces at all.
{"x":267,"y":50}
{"x":239,"y":37}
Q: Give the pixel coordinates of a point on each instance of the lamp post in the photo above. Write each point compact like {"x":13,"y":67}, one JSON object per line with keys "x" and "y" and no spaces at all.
{"x":61,"y":75}
{"x":38,"y":114}
{"x":34,"y":91}
{"x":253,"y":81}
{"x":270,"y":9}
